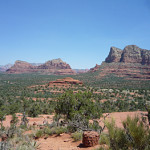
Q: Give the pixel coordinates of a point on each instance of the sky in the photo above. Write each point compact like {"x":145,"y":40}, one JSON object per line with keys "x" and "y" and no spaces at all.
{"x":80,"y":32}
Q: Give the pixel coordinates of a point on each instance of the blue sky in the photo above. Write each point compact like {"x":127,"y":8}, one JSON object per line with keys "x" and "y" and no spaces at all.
{"x":79,"y":32}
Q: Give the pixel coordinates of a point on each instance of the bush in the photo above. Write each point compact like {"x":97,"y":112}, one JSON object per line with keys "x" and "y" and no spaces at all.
{"x":39,"y":133}
{"x":60,"y":130}
{"x":77,"y":136}
{"x":135,"y":135}
{"x":50,"y":131}
{"x":70,"y":105}
{"x":104,"y":139}
{"x":95,"y":126}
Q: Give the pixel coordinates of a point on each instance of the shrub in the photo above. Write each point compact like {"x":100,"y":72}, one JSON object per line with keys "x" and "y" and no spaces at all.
{"x":70,"y":104}
{"x":135,"y":135}
{"x":95,"y":126}
{"x":39,"y":133}
{"x":77,"y":136}
{"x":50,"y":131}
{"x":60,"y":130}
{"x":104,"y":139}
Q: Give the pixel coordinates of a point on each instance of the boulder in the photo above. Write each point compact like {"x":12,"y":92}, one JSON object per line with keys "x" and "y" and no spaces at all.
{"x":90,"y":138}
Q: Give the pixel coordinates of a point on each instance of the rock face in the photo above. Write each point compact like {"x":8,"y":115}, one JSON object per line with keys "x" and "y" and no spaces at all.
{"x":90,"y":138}
{"x":55,"y":66}
{"x":21,"y":67}
{"x":114,"y":55}
{"x":130,"y":54}
{"x":131,"y":62}
{"x":66,"y":80}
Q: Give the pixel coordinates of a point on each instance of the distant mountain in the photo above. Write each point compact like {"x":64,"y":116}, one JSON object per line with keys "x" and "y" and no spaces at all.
{"x":55,"y":66}
{"x":132,"y":62}
{"x":5,"y":67}
{"x":81,"y":70}
{"x":36,"y":64}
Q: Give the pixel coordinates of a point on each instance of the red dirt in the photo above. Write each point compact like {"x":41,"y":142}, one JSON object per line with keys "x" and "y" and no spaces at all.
{"x":64,"y":141}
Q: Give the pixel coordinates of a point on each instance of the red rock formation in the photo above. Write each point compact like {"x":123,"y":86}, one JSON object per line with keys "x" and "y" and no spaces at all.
{"x":132,"y":62}
{"x":130,"y":54}
{"x":128,"y":70}
{"x":21,"y":67}
{"x":114,"y":55}
{"x":66,"y":80}
{"x":56,"y":66}
{"x":95,"y":68}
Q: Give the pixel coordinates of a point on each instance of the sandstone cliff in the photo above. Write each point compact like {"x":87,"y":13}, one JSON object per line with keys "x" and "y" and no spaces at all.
{"x":130,"y":54}
{"x":114,"y":55}
{"x":132,"y":62}
{"x":21,"y":67}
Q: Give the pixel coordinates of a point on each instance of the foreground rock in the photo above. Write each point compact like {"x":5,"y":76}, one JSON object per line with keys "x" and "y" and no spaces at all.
{"x":90,"y":138}
{"x":55,"y":66}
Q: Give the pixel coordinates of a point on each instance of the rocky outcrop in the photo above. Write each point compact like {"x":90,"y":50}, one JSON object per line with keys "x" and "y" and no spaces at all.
{"x":21,"y":67}
{"x":145,"y":57}
{"x":132,"y":62}
{"x":95,"y":68}
{"x":66,"y":80}
{"x":130,"y":54}
{"x":55,"y":66}
{"x":114,"y":55}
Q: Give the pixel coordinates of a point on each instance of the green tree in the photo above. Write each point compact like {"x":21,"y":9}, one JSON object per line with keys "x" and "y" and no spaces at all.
{"x":78,"y":108}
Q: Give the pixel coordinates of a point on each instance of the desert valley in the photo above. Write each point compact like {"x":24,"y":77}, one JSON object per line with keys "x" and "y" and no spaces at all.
{"x":50,"y":106}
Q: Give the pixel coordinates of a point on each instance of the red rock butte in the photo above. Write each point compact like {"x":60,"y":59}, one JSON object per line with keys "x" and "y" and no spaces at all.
{"x":132,"y":62}
{"x":55,"y":66}
{"x":67,"y":80}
